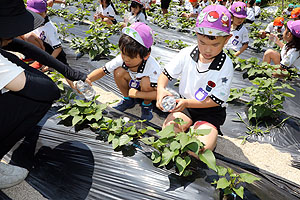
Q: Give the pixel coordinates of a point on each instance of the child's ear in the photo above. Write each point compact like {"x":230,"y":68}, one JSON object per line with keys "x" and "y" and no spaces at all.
{"x":227,"y":38}
{"x":147,"y":56}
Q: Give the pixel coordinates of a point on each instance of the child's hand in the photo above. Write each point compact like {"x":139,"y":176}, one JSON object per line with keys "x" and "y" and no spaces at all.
{"x":161,"y":93}
{"x":180,"y":106}
{"x":88,"y":81}
{"x":276,"y":39}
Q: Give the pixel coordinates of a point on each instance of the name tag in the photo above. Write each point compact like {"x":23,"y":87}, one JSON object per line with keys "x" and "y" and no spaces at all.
{"x":134,"y":84}
{"x":201,"y":94}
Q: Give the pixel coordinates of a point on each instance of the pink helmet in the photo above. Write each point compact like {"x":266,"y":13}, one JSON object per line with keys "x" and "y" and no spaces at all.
{"x":214,"y":20}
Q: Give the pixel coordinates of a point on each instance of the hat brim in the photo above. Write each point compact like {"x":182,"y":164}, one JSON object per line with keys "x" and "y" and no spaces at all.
{"x":13,"y":26}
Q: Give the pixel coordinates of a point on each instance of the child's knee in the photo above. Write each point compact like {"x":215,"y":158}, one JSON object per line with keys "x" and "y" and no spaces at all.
{"x":145,"y":84}
{"x":119,"y":73}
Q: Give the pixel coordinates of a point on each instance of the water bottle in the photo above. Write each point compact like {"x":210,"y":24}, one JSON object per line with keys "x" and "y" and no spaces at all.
{"x":86,"y":90}
{"x":271,"y":41}
{"x":169,"y":102}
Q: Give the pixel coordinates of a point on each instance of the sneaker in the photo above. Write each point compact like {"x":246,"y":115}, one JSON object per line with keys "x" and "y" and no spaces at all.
{"x":147,"y":112}
{"x":125,"y":104}
{"x":11,"y":175}
{"x":36,"y":65}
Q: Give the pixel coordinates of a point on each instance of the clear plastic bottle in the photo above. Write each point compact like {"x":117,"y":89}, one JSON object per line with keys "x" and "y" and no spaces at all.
{"x":86,"y":90}
{"x":169,"y":102}
{"x":271,"y":41}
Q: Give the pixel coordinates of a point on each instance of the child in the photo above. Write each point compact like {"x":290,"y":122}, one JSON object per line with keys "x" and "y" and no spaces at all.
{"x":135,"y":71}
{"x":106,"y":12}
{"x":47,"y":33}
{"x":204,"y":3}
{"x":138,"y":13}
{"x":257,"y":9}
{"x":288,"y":10}
{"x":295,"y":14}
{"x":239,"y":40}
{"x":194,"y":9}
{"x":206,"y":73}
{"x":250,"y":12}
{"x":274,"y":27}
{"x":290,"y":53}
{"x":229,"y":3}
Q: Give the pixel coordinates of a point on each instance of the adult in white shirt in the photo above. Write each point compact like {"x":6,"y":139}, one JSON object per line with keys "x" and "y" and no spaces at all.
{"x":26,"y":94}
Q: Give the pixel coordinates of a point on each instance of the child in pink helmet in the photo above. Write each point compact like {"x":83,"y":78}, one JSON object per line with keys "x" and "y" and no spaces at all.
{"x":135,"y":70}
{"x":290,"y":52}
{"x":240,"y":39}
{"x":205,"y":73}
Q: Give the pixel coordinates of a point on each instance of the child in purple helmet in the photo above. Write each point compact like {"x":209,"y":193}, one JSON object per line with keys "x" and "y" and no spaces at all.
{"x":240,"y":39}
{"x":290,"y":52}
{"x":135,"y":71}
{"x":205,"y":73}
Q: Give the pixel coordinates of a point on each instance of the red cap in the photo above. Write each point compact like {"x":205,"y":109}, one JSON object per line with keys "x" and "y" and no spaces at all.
{"x":295,"y":13}
{"x":278,"y":21}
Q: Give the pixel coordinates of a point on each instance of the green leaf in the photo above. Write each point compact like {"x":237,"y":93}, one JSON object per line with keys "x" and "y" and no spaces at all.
{"x":221,"y":170}
{"x":167,"y":155}
{"x":155,"y":156}
{"x":124,"y":139}
{"x":193,"y":146}
{"x":209,"y":159}
{"x":239,"y":191}
{"x":183,"y":138}
{"x":115,"y":142}
{"x":76,"y":119}
{"x":63,"y":117}
{"x":148,"y":140}
{"x":223,"y":183}
{"x":133,"y":131}
{"x":248,"y":178}
{"x":181,"y":164}
{"x":82,"y":103}
{"x":74,"y":111}
{"x":174,"y":145}
{"x":287,"y":94}
{"x":179,"y":121}
{"x":110,"y":137}
{"x":167,"y":132}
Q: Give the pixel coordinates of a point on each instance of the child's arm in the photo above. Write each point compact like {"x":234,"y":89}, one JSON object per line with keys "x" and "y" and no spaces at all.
{"x":277,"y":41}
{"x":56,"y":52}
{"x":162,"y":83}
{"x":193,"y":15}
{"x":193,"y":103}
{"x":96,"y":74}
{"x":243,"y":48}
{"x":149,"y":95}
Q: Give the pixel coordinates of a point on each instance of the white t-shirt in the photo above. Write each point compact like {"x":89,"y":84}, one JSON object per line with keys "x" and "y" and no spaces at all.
{"x":287,"y":12}
{"x":257,"y":11}
{"x":191,"y":9}
{"x":290,"y":59}
{"x":238,"y":38}
{"x":250,"y":14}
{"x":48,"y":34}
{"x":204,"y":4}
{"x":197,"y":81}
{"x":108,"y":11}
{"x":8,"y":72}
{"x":149,"y":68}
{"x":138,"y":18}
{"x":270,"y":28}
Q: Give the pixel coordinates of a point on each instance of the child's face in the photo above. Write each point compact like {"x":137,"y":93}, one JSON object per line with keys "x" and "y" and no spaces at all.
{"x":194,"y":4}
{"x":287,"y":35}
{"x":131,"y":62}
{"x":208,"y":48}
{"x":237,"y":21}
{"x":135,"y":10}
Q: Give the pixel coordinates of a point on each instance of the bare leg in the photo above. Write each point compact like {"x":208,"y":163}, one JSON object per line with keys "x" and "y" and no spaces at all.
{"x":178,"y":128}
{"x":122,"y":79}
{"x":271,"y":55}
